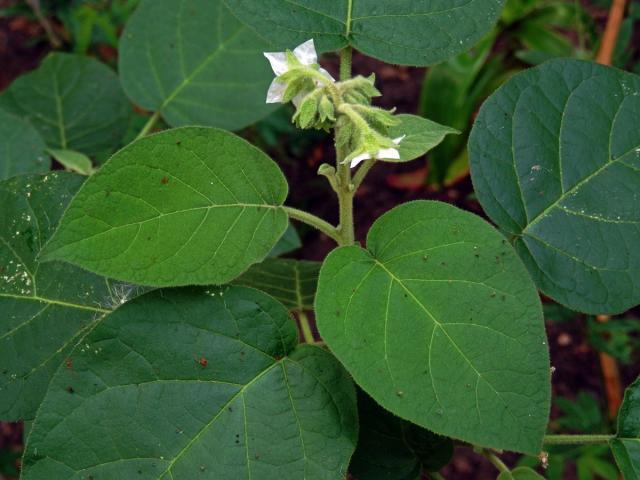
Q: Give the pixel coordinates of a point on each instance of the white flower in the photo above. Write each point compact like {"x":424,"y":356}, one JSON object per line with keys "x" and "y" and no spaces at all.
{"x":383,"y":154}
{"x":307,"y":55}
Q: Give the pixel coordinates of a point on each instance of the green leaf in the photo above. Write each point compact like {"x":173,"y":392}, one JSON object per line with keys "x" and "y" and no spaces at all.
{"x":75,"y":102}
{"x":520,"y":473}
{"x":185,"y":206}
{"x":408,"y":33}
{"x":22,"y":149}
{"x":626,"y":445}
{"x":390,"y":448}
{"x":45,"y":307}
{"x":73,"y":161}
{"x":196,"y":385}
{"x":292,"y":282}
{"x":289,"y":242}
{"x":193,"y":61}
{"x":582,"y":414}
{"x":619,"y":338}
{"x":422,"y":135}
{"x":440,"y":323}
{"x":555,"y":164}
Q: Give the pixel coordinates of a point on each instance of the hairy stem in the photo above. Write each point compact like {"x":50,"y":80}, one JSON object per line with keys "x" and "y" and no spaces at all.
{"x":305,"y":327}
{"x":149,"y":125}
{"x":345,"y":189}
{"x":358,"y":178}
{"x":577,"y":439}
{"x":315,"y":222}
{"x":346,"y":56}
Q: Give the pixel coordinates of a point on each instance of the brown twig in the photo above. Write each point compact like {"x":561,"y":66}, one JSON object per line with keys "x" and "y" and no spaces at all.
{"x":608,"y":364}
{"x":46,"y":24}
{"x":611,"y":32}
{"x":611,"y":376}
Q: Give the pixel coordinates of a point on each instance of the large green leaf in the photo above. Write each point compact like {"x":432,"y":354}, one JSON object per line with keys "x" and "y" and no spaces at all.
{"x":421,"y":32}
{"x":22,"y":149}
{"x":186,"y":206}
{"x":626,"y":445}
{"x":43,"y":308}
{"x":188,"y":385}
{"x":292,"y":282}
{"x":390,"y":448}
{"x":441,"y":324}
{"x":193,"y":61}
{"x":75,"y":103}
{"x":555,"y":160}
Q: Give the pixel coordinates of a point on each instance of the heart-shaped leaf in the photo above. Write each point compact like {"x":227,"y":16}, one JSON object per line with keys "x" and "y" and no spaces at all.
{"x":292,"y":282}
{"x":626,"y":445}
{"x":420,"y":32}
{"x":75,"y":103}
{"x":439,"y":321}
{"x":185,"y":206}
{"x":22,"y":149}
{"x":555,"y":160}
{"x":196,"y":385}
{"x":420,"y":136}
{"x":391,"y":448}
{"x":194,"y":62}
{"x":44,"y":307}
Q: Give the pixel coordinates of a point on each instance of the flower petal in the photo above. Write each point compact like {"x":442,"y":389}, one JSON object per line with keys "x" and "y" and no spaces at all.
{"x":306,"y":53}
{"x":297,"y":100}
{"x":278,"y":61}
{"x":327,"y":74}
{"x":388,"y":154}
{"x":399,"y":139}
{"x":359,"y":159}
{"x":276,"y":92}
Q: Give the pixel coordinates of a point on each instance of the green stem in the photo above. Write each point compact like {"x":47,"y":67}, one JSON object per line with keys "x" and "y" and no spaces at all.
{"x":358,"y":178}
{"x":346,"y":61}
{"x":436,"y":476}
{"x":345,"y":189}
{"x":315,"y":222}
{"x":577,"y":439}
{"x":305,"y":327}
{"x":494,"y":459}
{"x":149,"y":125}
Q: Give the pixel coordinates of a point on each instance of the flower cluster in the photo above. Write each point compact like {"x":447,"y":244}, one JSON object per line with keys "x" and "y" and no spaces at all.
{"x":323,"y":103}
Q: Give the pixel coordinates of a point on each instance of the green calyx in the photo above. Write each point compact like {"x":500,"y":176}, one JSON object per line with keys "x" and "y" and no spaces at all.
{"x":364,"y":130}
{"x":344,"y":106}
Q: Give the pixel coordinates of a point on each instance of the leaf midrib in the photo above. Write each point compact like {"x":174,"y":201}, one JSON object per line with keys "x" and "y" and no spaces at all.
{"x":211,"y":57}
{"x":440,"y":325}
{"x":577,"y":186}
{"x":51,"y":301}
{"x":157,"y":217}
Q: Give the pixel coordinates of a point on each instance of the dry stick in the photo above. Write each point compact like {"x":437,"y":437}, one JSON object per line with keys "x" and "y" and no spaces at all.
{"x":611,"y":32}
{"x":44,"y":21}
{"x":611,"y":376}
{"x":608,"y":364}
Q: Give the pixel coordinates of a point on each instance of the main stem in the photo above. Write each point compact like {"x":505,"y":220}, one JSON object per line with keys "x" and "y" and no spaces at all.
{"x":346,"y":189}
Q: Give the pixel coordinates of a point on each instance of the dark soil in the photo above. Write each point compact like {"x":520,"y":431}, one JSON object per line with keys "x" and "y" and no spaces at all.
{"x":23,"y":45}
